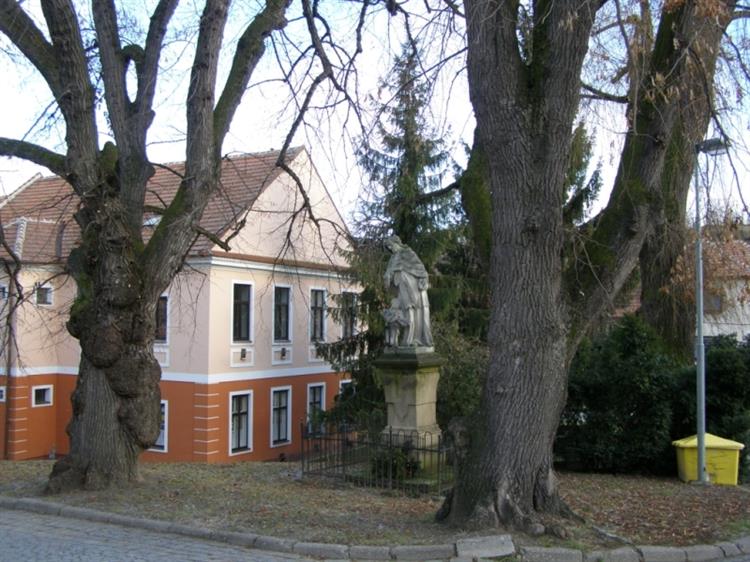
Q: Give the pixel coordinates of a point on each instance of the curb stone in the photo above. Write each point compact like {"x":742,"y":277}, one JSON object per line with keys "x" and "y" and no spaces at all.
{"x":322,"y":550}
{"x":237,"y":539}
{"x":363,"y":552}
{"x":744,"y":545}
{"x":264,"y":542}
{"x":427,"y":552}
{"x":463,"y":550}
{"x":622,"y":554}
{"x":703,"y":553}
{"x":540,"y":554}
{"x":39,"y":506}
{"x":195,"y":532}
{"x":485,"y":547}
{"x":729,"y":548}
{"x":662,"y":554}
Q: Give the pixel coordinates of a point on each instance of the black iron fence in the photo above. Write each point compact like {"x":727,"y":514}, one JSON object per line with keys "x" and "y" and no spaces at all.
{"x":412,"y":462}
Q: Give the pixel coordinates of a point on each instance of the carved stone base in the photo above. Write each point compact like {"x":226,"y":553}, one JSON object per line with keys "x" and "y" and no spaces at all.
{"x":409,"y":378}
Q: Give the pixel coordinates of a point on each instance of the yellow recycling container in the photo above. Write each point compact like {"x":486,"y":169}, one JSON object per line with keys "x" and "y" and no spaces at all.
{"x":722,"y":459}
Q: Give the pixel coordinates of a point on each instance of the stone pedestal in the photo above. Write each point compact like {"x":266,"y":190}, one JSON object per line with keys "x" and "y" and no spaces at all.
{"x":409,"y":377}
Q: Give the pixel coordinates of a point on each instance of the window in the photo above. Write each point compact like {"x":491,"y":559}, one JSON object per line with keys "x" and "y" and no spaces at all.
{"x":161,"y":441}
{"x":152,"y":221}
{"x":345,"y":387}
{"x":43,"y":294}
{"x":41,"y":395}
{"x":241,"y":312}
{"x":239,"y":430}
{"x":315,"y":406}
{"x":281,"y":314}
{"x":712,"y":303}
{"x":3,"y":292}
{"x":349,"y":314}
{"x":280,"y":416}
{"x":2,"y":394}
{"x":317,"y":315}
{"x":160,"y":332}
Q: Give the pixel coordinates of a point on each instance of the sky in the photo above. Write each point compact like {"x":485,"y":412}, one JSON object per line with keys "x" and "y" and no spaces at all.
{"x":266,"y":113}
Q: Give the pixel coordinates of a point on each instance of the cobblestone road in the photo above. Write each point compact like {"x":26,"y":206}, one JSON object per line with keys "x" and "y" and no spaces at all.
{"x":32,"y":537}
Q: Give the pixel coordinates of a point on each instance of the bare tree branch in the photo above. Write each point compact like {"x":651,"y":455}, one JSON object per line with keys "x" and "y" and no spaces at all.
{"x":148,"y":68}
{"x":54,"y":162}
{"x":22,"y":31}
{"x":602,"y":95}
{"x":250,"y":49}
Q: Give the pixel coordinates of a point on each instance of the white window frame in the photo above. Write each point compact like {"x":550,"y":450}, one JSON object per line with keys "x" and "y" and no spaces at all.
{"x":47,"y":387}
{"x":343,"y":383}
{"x":38,"y":286}
{"x":165,"y":447}
{"x":250,"y":409}
{"x":274,"y":389}
{"x":3,"y":390}
{"x":325,"y":315}
{"x":322,"y":399}
{"x":251,"y":328}
{"x":290,"y":316}
{"x":165,"y":341}
{"x":355,"y":328}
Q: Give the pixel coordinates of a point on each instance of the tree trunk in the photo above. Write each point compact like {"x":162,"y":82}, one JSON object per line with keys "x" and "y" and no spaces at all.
{"x":662,"y":306}
{"x":107,"y":439}
{"x":116,"y":400}
{"x":509,"y":475}
{"x":525,"y":110}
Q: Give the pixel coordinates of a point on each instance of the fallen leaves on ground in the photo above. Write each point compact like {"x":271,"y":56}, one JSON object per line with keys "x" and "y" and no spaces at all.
{"x":269,"y":498}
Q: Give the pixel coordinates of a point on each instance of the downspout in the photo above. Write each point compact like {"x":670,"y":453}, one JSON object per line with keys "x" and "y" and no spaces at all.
{"x":15,"y":294}
{"x":10,"y":330}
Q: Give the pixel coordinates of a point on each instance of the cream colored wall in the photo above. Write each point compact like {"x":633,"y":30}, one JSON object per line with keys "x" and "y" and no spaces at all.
{"x":735,"y":316}
{"x":268,"y":233}
{"x":187,"y":323}
{"x":40,"y":329}
{"x":263,"y":354}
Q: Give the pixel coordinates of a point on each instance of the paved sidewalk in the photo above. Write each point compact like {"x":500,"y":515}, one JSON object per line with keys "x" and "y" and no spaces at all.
{"x":34,"y":529}
{"x":30,"y":537}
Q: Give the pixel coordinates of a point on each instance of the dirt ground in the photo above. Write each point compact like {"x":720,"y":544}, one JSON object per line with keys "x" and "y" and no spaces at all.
{"x":272,"y":499}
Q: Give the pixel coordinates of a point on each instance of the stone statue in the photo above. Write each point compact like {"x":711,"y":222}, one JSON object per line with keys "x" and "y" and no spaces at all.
{"x":408,"y":318}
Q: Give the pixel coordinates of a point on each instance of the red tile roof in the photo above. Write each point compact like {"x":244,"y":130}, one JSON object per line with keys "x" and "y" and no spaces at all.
{"x":38,"y":221}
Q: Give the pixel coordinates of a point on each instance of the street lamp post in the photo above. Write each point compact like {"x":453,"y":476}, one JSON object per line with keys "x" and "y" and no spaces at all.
{"x":711,"y":147}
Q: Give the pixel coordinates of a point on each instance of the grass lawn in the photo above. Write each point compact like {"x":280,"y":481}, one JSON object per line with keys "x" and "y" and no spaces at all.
{"x":270,"y":498}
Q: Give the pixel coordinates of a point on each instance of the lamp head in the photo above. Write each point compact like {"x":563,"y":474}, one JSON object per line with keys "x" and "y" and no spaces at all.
{"x":712,"y":147}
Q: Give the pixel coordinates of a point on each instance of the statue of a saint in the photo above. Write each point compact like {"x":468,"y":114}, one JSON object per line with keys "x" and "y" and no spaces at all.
{"x":408,"y":318}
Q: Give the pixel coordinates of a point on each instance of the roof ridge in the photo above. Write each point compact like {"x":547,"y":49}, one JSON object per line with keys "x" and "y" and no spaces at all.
{"x":33,"y":179}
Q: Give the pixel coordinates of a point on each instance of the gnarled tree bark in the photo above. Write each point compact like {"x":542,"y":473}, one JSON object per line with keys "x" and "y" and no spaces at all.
{"x":547,"y":290}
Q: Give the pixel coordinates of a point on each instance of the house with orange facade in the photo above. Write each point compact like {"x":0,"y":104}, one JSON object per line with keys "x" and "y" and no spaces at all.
{"x":236,"y":331}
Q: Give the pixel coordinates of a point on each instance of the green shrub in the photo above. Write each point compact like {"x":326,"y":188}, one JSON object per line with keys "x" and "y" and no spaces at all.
{"x":395,"y":463}
{"x":619,"y":412}
{"x":461,"y":375}
{"x":627,"y":401}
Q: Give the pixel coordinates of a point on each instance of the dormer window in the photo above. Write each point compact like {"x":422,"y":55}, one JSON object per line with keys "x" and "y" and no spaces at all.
{"x":152,"y":221}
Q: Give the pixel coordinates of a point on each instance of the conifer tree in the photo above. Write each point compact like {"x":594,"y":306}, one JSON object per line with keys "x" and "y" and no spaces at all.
{"x":406,"y":165}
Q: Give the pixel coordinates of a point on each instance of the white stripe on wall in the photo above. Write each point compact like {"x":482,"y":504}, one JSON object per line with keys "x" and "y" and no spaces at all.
{"x":196,"y":378}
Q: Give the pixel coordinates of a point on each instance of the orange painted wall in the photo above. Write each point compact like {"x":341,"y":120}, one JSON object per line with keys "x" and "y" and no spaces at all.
{"x":3,"y":383}
{"x":199,"y":418}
